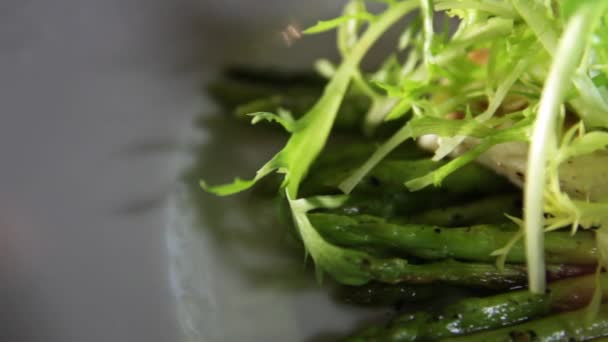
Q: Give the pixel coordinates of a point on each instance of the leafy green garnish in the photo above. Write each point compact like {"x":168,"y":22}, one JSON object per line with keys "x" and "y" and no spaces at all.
{"x":444,"y":127}
{"x":513,"y":71}
{"x":340,"y":262}
{"x":328,"y":25}
{"x":309,"y":135}
{"x":530,"y":34}
{"x":518,"y":132}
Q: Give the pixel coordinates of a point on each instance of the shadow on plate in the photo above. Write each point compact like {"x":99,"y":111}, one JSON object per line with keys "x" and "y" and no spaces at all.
{"x":256,"y":242}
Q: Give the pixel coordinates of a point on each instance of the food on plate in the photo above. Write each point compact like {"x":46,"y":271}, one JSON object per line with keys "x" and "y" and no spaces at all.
{"x":474,"y":157}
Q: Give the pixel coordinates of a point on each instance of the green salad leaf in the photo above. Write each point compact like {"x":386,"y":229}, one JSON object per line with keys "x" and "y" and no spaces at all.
{"x":310,"y":133}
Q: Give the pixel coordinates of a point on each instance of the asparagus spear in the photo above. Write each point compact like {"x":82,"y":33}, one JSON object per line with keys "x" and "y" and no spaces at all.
{"x":358,"y":267}
{"x":382,"y":193}
{"x":390,"y":175}
{"x":449,"y":271}
{"x":242,"y":91}
{"x":394,"y":205}
{"x":380,"y":294}
{"x":433,"y":242}
{"x":363,"y":267}
{"x":567,"y":326}
{"x":487,"y":210}
{"x":343,"y":154}
{"x":239,"y":85}
{"x":274,"y":77}
{"x":429,"y":208}
{"x":350,"y":153}
{"x":475,"y":314}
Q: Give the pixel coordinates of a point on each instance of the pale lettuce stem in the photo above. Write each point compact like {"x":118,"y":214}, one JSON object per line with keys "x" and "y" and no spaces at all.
{"x":375,"y":30}
{"x":320,"y":119}
{"x":449,"y":144}
{"x":347,"y":38}
{"x":494,"y":28}
{"x":380,"y":109}
{"x":533,"y":14}
{"x":544,"y":140}
{"x":546,"y":32}
{"x":494,"y":8}
{"x":397,"y":139}
{"x":321,"y":116}
{"x":426,"y":7}
{"x":389,"y":17}
{"x":348,"y":32}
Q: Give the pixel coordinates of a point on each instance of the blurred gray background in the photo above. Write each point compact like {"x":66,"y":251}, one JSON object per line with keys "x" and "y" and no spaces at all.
{"x":94,"y":95}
